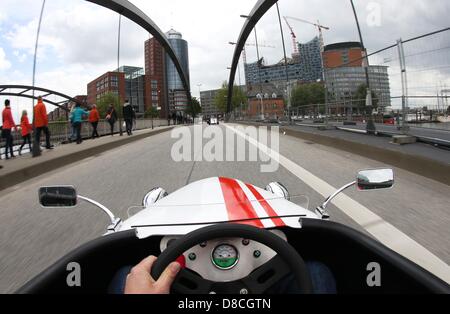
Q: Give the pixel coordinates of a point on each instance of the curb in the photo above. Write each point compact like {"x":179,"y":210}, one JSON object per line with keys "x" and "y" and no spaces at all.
{"x":13,"y":178}
{"x":425,"y":167}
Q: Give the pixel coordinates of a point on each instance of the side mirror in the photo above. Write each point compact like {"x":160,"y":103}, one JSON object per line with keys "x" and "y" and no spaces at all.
{"x":375,"y":179}
{"x":58,"y":196}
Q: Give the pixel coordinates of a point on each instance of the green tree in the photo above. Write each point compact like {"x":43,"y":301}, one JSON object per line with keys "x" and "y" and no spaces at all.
{"x":361,"y":94}
{"x":308,"y":94}
{"x":106,"y":100}
{"x":152,"y":112}
{"x":239,"y":98}
{"x":194,"y":109}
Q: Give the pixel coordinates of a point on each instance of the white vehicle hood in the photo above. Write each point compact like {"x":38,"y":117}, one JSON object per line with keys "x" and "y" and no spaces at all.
{"x":212,"y":201}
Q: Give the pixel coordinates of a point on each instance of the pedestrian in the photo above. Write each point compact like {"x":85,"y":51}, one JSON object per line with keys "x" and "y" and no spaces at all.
{"x":128,"y":115}
{"x":8,"y":125}
{"x":27,"y":128}
{"x":73,"y":135}
{"x":111,"y":117}
{"x":41,"y":123}
{"x":94,"y":118}
{"x":77,"y":118}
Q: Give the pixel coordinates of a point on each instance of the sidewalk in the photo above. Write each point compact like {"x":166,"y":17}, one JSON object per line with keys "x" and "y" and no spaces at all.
{"x":25,"y":167}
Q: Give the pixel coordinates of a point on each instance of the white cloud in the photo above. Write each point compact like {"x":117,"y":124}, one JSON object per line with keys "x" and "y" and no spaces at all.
{"x":4,"y":63}
{"x":79,"y":39}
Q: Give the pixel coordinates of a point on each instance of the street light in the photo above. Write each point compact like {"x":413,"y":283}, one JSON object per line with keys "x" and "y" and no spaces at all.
{"x":259,"y":68}
{"x":288,"y":85}
{"x":371,"y":129}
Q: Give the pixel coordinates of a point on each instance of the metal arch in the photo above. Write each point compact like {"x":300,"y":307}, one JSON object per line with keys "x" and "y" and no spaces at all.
{"x":130,"y":11}
{"x":261,"y":7}
{"x":24,"y":88}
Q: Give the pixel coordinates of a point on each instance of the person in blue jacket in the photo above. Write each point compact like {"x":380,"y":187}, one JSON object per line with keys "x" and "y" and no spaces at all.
{"x":77,"y":119}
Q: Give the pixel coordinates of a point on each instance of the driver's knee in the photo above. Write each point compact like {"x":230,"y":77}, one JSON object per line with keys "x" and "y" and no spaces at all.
{"x":117,"y":285}
{"x":322,"y":279}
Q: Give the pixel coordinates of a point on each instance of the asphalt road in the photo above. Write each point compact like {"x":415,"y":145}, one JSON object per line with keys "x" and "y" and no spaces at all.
{"x":31,"y":238}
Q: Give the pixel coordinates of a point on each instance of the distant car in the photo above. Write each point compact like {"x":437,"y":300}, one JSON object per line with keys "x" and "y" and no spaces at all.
{"x":214,"y":120}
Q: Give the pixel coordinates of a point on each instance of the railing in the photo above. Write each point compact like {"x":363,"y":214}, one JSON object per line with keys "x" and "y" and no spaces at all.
{"x":61,"y":132}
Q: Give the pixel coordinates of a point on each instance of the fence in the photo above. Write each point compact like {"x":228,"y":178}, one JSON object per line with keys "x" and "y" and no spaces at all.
{"x":410,"y":78}
{"x":61,"y":132}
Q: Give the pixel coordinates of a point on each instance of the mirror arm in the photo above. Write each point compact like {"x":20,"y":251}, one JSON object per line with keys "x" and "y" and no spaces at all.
{"x":114,"y":220}
{"x":322,"y":210}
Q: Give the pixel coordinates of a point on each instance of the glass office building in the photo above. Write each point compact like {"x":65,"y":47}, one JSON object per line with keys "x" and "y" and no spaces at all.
{"x":177,"y":97}
{"x":306,"y":67}
{"x":134,"y":87}
{"x":343,"y":82}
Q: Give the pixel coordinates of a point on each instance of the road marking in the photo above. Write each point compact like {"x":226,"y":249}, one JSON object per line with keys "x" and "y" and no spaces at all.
{"x":383,"y":231}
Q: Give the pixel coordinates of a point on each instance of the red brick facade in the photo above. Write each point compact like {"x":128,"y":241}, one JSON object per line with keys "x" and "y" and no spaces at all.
{"x":110,"y":82}
{"x":273,"y":107}
{"x":155,"y":81}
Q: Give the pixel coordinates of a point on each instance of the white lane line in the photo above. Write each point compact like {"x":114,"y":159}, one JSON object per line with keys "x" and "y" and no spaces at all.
{"x":372,"y":223}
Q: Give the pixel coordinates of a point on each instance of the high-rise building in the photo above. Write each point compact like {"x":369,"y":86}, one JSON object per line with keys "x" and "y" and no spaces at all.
{"x":340,"y":54}
{"x":164,"y":85}
{"x":307,"y":67}
{"x":343,"y":83}
{"x":345,"y":74}
{"x":178,"y":100}
{"x":155,"y":80}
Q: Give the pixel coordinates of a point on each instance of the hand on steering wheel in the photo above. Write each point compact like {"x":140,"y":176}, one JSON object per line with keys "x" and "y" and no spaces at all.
{"x":257,"y":282}
{"x":139,"y":281}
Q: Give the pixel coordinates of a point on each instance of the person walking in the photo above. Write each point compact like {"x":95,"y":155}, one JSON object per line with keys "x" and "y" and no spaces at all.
{"x":41,"y":123}
{"x":8,"y":125}
{"x":73,"y":134}
{"x":94,"y":118}
{"x":111,"y":117}
{"x":128,"y":115}
{"x":27,"y":128}
{"x":77,"y":118}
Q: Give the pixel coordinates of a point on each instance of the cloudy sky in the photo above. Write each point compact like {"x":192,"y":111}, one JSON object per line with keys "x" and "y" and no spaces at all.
{"x":79,"y":40}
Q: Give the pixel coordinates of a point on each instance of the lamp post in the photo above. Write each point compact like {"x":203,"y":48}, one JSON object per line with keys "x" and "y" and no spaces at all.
{"x":371,"y":129}
{"x":259,"y":68}
{"x":36,"y":149}
{"x":288,"y":85}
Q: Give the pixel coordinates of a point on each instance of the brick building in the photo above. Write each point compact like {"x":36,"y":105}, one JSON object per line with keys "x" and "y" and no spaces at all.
{"x":110,"y":82}
{"x":155,"y":76}
{"x":273,"y":107}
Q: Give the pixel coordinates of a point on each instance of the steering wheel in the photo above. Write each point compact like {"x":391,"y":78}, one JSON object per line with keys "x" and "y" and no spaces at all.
{"x":258,"y":282}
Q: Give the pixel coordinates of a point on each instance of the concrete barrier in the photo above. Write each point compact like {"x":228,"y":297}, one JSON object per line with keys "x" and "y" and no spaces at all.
{"x":425,"y":167}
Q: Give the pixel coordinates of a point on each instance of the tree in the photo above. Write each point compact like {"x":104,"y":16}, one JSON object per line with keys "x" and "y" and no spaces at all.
{"x":361,"y":94}
{"x":106,"y":100}
{"x":308,"y":94}
{"x":152,"y":112}
{"x":239,"y":98}
{"x":194,"y":109}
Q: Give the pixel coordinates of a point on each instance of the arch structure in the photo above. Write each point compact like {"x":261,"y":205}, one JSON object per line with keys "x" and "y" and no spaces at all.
{"x":130,"y":11}
{"x":261,"y":7}
{"x":23,"y":90}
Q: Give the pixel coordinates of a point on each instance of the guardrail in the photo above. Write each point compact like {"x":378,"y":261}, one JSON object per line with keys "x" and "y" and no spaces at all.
{"x":61,"y":132}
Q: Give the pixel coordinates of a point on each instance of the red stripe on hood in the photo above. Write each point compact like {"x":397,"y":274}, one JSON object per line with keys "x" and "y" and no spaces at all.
{"x":237,"y":203}
{"x":269,"y":210}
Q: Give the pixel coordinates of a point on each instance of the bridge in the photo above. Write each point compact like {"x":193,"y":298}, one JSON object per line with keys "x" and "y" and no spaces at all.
{"x":411,"y":219}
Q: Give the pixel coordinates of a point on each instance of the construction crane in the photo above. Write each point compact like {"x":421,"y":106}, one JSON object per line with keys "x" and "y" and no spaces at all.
{"x":244,"y":52}
{"x":294,"y":37}
{"x":320,"y":27}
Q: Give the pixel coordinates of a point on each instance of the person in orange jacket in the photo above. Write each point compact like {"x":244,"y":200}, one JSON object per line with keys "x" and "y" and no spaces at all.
{"x":8,"y":125}
{"x":94,"y":118}
{"x":27,"y":128}
{"x":41,"y":123}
